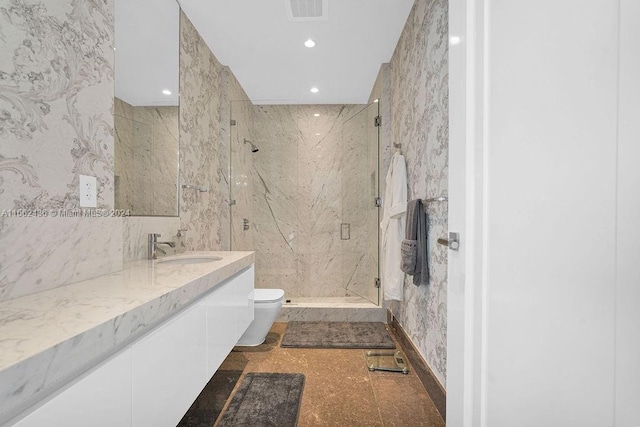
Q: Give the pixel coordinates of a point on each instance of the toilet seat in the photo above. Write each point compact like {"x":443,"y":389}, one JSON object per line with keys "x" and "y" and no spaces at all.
{"x":267,"y":295}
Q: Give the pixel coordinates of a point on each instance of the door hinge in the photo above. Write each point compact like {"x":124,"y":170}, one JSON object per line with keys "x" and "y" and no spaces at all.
{"x":378,"y":202}
{"x":377,"y":121}
{"x":376,"y":282}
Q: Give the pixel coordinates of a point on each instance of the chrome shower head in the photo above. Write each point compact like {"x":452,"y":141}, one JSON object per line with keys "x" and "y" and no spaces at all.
{"x":254,"y":149}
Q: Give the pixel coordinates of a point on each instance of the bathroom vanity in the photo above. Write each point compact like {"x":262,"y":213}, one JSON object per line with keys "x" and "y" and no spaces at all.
{"x":133,"y":348}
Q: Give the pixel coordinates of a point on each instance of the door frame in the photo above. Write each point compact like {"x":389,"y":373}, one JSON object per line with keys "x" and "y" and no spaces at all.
{"x":468,"y":118}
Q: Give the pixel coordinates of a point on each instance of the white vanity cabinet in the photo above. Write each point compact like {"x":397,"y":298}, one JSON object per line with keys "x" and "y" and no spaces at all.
{"x":229,"y":313}
{"x":100,"y":398}
{"x":169,"y":369}
{"x":155,"y":379}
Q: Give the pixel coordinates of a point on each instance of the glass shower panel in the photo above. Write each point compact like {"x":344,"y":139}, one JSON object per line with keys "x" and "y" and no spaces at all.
{"x":240,"y":181}
{"x":360,"y":184}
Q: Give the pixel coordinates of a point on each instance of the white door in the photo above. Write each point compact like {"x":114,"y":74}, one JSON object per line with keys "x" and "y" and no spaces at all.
{"x":547,"y":206}
{"x":628,"y":233}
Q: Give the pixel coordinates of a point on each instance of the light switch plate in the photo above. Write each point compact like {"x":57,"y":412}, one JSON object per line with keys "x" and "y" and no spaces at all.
{"x":88,"y":192}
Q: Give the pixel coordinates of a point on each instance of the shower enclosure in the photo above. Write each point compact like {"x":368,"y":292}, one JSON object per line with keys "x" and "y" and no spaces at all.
{"x":306,"y":200}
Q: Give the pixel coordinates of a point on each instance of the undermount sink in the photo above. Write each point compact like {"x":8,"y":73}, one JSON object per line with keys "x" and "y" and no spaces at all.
{"x":188,"y":259}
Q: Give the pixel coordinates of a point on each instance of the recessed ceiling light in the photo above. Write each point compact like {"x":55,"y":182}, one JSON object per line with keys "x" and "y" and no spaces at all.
{"x":316,"y":115}
{"x":309,"y":43}
{"x":315,"y":90}
{"x":166,"y":92}
{"x":455,"y":40}
{"x":318,"y":134}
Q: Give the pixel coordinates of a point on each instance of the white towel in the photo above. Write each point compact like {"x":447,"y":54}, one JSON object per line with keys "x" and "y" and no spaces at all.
{"x":392,"y":225}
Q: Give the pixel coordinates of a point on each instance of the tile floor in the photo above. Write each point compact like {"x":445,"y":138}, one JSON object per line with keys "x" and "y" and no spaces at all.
{"x":339,"y":389}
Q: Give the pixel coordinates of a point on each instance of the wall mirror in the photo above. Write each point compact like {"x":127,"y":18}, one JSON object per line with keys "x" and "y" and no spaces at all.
{"x":146,"y":111}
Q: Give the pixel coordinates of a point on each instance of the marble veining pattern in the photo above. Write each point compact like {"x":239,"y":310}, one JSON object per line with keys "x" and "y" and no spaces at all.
{"x":419,"y":104}
{"x":310,"y":175}
{"x":146,"y":164}
{"x":56,"y":122}
{"x":135,"y":232}
{"x":47,"y":337}
{"x":203,"y":144}
{"x":56,"y":102}
{"x":45,"y":253}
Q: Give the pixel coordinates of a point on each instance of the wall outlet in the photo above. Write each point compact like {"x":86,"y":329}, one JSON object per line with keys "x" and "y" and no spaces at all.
{"x":88,"y":192}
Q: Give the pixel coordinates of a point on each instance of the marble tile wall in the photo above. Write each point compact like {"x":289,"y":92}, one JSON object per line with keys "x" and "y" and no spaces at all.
{"x":165,"y":160}
{"x":419,"y":108}
{"x":38,"y":254}
{"x":57,"y":119}
{"x":123,"y":168}
{"x":135,"y":232}
{"x":146,"y":159}
{"x":309,"y":177}
{"x":203,"y":143}
{"x":56,"y":123}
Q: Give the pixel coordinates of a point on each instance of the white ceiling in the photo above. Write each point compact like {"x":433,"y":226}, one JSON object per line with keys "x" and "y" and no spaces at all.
{"x":263,"y":48}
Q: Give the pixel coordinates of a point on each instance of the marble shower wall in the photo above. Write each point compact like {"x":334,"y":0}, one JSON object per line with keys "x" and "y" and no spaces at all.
{"x":56,"y":99}
{"x":146,"y":159}
{"x":419,"y":107}
{"x":305,"y":167}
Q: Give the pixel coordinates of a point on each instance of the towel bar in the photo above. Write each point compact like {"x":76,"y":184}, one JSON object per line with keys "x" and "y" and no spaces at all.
{"x":435,"y":199}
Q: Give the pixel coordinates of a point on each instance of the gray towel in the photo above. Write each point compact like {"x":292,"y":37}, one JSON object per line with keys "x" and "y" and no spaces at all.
{"x":414,"y":246}
{"x":408,"y":255}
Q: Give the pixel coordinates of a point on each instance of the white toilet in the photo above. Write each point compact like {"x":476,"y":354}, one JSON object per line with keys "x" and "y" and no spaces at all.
{"x":267,"y":305}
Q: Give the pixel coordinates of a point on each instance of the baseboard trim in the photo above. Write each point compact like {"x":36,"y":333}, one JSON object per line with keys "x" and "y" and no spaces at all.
{"x":431,"y":384}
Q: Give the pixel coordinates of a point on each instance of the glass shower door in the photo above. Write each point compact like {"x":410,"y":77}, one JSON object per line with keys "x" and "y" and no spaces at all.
{"x":360,"y":213}
{"x":241,"y":218}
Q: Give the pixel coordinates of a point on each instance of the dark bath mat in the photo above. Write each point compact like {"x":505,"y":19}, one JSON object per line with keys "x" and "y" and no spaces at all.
{"x":206,"y":408}
{"x":265,"y":399}
{"x":337,"y":335}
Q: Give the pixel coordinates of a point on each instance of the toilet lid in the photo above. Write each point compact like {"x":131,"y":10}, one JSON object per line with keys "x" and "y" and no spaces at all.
{"x":267,"y":295}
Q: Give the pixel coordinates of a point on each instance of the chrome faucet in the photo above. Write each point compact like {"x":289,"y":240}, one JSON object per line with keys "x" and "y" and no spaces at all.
{"x":153,"y":246}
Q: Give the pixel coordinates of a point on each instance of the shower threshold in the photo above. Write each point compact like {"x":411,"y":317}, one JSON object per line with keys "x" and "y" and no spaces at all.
{"x":331,"y":309}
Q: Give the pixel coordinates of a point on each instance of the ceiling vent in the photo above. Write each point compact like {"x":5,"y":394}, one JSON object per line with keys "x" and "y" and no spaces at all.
{"x":306,"y":10}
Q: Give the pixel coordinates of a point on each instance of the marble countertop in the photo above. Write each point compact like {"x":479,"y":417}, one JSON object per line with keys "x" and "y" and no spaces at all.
{"x":47,"y":338}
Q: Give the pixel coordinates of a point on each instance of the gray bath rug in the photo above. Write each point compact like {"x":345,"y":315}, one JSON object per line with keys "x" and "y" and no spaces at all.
{"x":337,"y":335}
{"x":208,"y":406}
{"x":265,"y":399}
